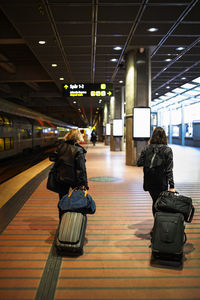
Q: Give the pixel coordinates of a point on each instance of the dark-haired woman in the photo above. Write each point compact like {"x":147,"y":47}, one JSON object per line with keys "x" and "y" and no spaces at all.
{"x":157,"y":161}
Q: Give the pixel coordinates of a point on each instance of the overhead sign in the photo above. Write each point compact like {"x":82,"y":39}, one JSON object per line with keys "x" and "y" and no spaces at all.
{"x":88,"y":89}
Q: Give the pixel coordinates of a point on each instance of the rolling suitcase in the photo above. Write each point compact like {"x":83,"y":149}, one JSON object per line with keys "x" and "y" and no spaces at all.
{"x":71,"y":233}
{"x":175,"y":203}
{"x":168,"y":236}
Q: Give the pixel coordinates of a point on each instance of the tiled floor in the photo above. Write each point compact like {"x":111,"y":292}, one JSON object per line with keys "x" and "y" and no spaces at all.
{"x":116,"y":261}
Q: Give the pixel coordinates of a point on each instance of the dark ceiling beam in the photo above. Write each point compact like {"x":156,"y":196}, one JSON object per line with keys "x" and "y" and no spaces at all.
{"x":11,"y":41}
{"x":94,"y":37}
{"x":178,"y":75}
{"x":7,"y":65}
{"x":175,"y":25}
{"x":32,"y":85}
{"x":24,"y":73}
{"x":130,"y":36}
{"x":57,"y":36}
{"x":5,"y":88}
{"x":177,"y":58}
{"x":45,"y":94}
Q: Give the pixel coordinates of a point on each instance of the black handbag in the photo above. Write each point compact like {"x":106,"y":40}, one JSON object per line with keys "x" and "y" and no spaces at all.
{"x":52,"y":182}
{"x":175,"y":203}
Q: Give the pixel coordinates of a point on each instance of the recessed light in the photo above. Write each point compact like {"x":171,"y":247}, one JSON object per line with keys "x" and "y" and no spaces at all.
{"x":117,"y":48}
{"x":42,"y":42}
{"x":153,"y":29}
{"x":180,"y":48}
{"x":61,"y":78}
{"x":113,"y":59}
{"x":74,"y":102}
{"x":54,"y":65}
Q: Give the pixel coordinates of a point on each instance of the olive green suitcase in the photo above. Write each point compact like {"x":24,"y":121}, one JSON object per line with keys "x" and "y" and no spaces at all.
{"x":71,"y":233}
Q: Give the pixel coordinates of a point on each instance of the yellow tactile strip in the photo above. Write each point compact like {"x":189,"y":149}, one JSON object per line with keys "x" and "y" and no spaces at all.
{"x":9,"y":188}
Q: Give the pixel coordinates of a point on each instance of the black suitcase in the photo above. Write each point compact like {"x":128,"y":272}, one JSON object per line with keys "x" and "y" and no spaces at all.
{"x":71,"y":233}
{"x":168,"y":236}
{"x":175,"y":203}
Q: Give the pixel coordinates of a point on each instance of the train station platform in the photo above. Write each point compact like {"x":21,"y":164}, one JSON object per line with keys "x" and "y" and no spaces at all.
{"x":116,"y":263}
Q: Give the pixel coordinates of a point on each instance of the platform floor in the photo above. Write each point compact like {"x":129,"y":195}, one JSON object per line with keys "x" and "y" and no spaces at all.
{"x":117,"y":259}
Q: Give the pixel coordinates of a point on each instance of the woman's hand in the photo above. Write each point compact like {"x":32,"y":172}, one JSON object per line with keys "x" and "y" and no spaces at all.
{"x":172,"y":190}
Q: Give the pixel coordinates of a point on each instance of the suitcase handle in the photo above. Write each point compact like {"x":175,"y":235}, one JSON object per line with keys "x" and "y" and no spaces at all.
{"x":189,"y":220}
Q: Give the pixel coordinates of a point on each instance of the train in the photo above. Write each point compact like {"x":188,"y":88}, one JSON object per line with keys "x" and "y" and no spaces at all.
{"x":23,"y":131}
{"x":25,"y":135}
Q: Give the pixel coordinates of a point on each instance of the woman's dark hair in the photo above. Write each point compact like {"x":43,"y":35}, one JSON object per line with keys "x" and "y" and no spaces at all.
{"x":158,"y":136}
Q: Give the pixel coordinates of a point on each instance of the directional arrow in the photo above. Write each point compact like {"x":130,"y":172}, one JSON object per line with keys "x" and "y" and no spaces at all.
{"x":109,"y":93}
{"x":66,"y":86}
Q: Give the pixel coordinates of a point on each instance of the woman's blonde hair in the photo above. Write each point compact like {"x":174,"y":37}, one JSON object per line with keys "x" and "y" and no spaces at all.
{"x":75,"y":135}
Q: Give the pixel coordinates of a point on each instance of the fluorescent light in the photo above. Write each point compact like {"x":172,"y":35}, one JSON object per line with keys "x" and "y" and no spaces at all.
{"x":113,"y":59}
{"x":117,"y":48}
{"x":168,"y":59}
{"x":121,"y":81}
{"x":61,"y":78}
{"x":180,"y":48}
{"x":152,"y":29}
{"x":54,"y":65}
{"x":183,"y":78}
{"x":168,"y":87}
{"x":42,"y":42}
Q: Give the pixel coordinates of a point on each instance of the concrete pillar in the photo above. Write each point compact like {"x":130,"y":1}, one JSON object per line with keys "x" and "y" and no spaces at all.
{"x":138,"y":94}
{"x":100,"y":127}
{"x":116,"y":142}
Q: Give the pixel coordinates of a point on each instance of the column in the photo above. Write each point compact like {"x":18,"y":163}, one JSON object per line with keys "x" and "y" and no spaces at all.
{"x":116,"y":142}
{"x":138,"y":94}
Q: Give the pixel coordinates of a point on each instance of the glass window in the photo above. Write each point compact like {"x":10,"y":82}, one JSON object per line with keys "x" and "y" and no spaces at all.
{"x":1,"y":144}
{"x":175,"y":131}
{"x":7,"y":144}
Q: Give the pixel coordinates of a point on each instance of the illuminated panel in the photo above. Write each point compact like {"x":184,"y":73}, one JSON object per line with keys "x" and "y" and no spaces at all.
{"x":88,"y":89}
{"x":141,"y":122}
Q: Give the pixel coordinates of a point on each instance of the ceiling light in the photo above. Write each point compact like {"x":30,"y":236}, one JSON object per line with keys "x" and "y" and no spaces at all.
{"x":61,"y":78}
{"x":121,"y":81}
{"x":42,"y":42}
{"x":183,"y":78}
{"x":168,"y":87}
{"x":168,"y":59}
{"x":180,"y":48}
{"x":117,"y":48}
{"x":152,"y":29}
{"x":74,"y":102}
{"x":54,"y":65}
{"x":113,"y":59}
{"x":156,"y":94}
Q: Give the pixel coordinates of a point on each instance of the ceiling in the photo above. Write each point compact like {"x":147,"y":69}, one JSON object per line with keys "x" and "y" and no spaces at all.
{"x":80,"y":37}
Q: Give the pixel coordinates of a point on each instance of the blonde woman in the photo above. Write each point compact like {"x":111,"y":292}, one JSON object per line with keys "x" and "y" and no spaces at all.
{"x":70,"y":163}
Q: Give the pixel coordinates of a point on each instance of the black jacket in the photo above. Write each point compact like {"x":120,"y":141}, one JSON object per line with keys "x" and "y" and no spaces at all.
{"x":167,"y":166}
{"x":70,"y":161}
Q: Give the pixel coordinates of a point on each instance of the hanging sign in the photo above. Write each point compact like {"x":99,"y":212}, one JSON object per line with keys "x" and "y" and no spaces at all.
{"x":88,"y":89}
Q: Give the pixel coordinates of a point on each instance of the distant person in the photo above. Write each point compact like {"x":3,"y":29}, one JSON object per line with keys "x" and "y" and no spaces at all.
{"x":70,"y":166}
{"x":157,"y":161}
{"x":93,"y":137}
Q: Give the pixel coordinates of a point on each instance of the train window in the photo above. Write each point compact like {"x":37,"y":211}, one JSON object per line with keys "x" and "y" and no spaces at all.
{"x":2,"y":144}
{"x":1,"y":121}
{"x":26,"y":133}
{"x":7,"y":144}
{"x":11,"y":143}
